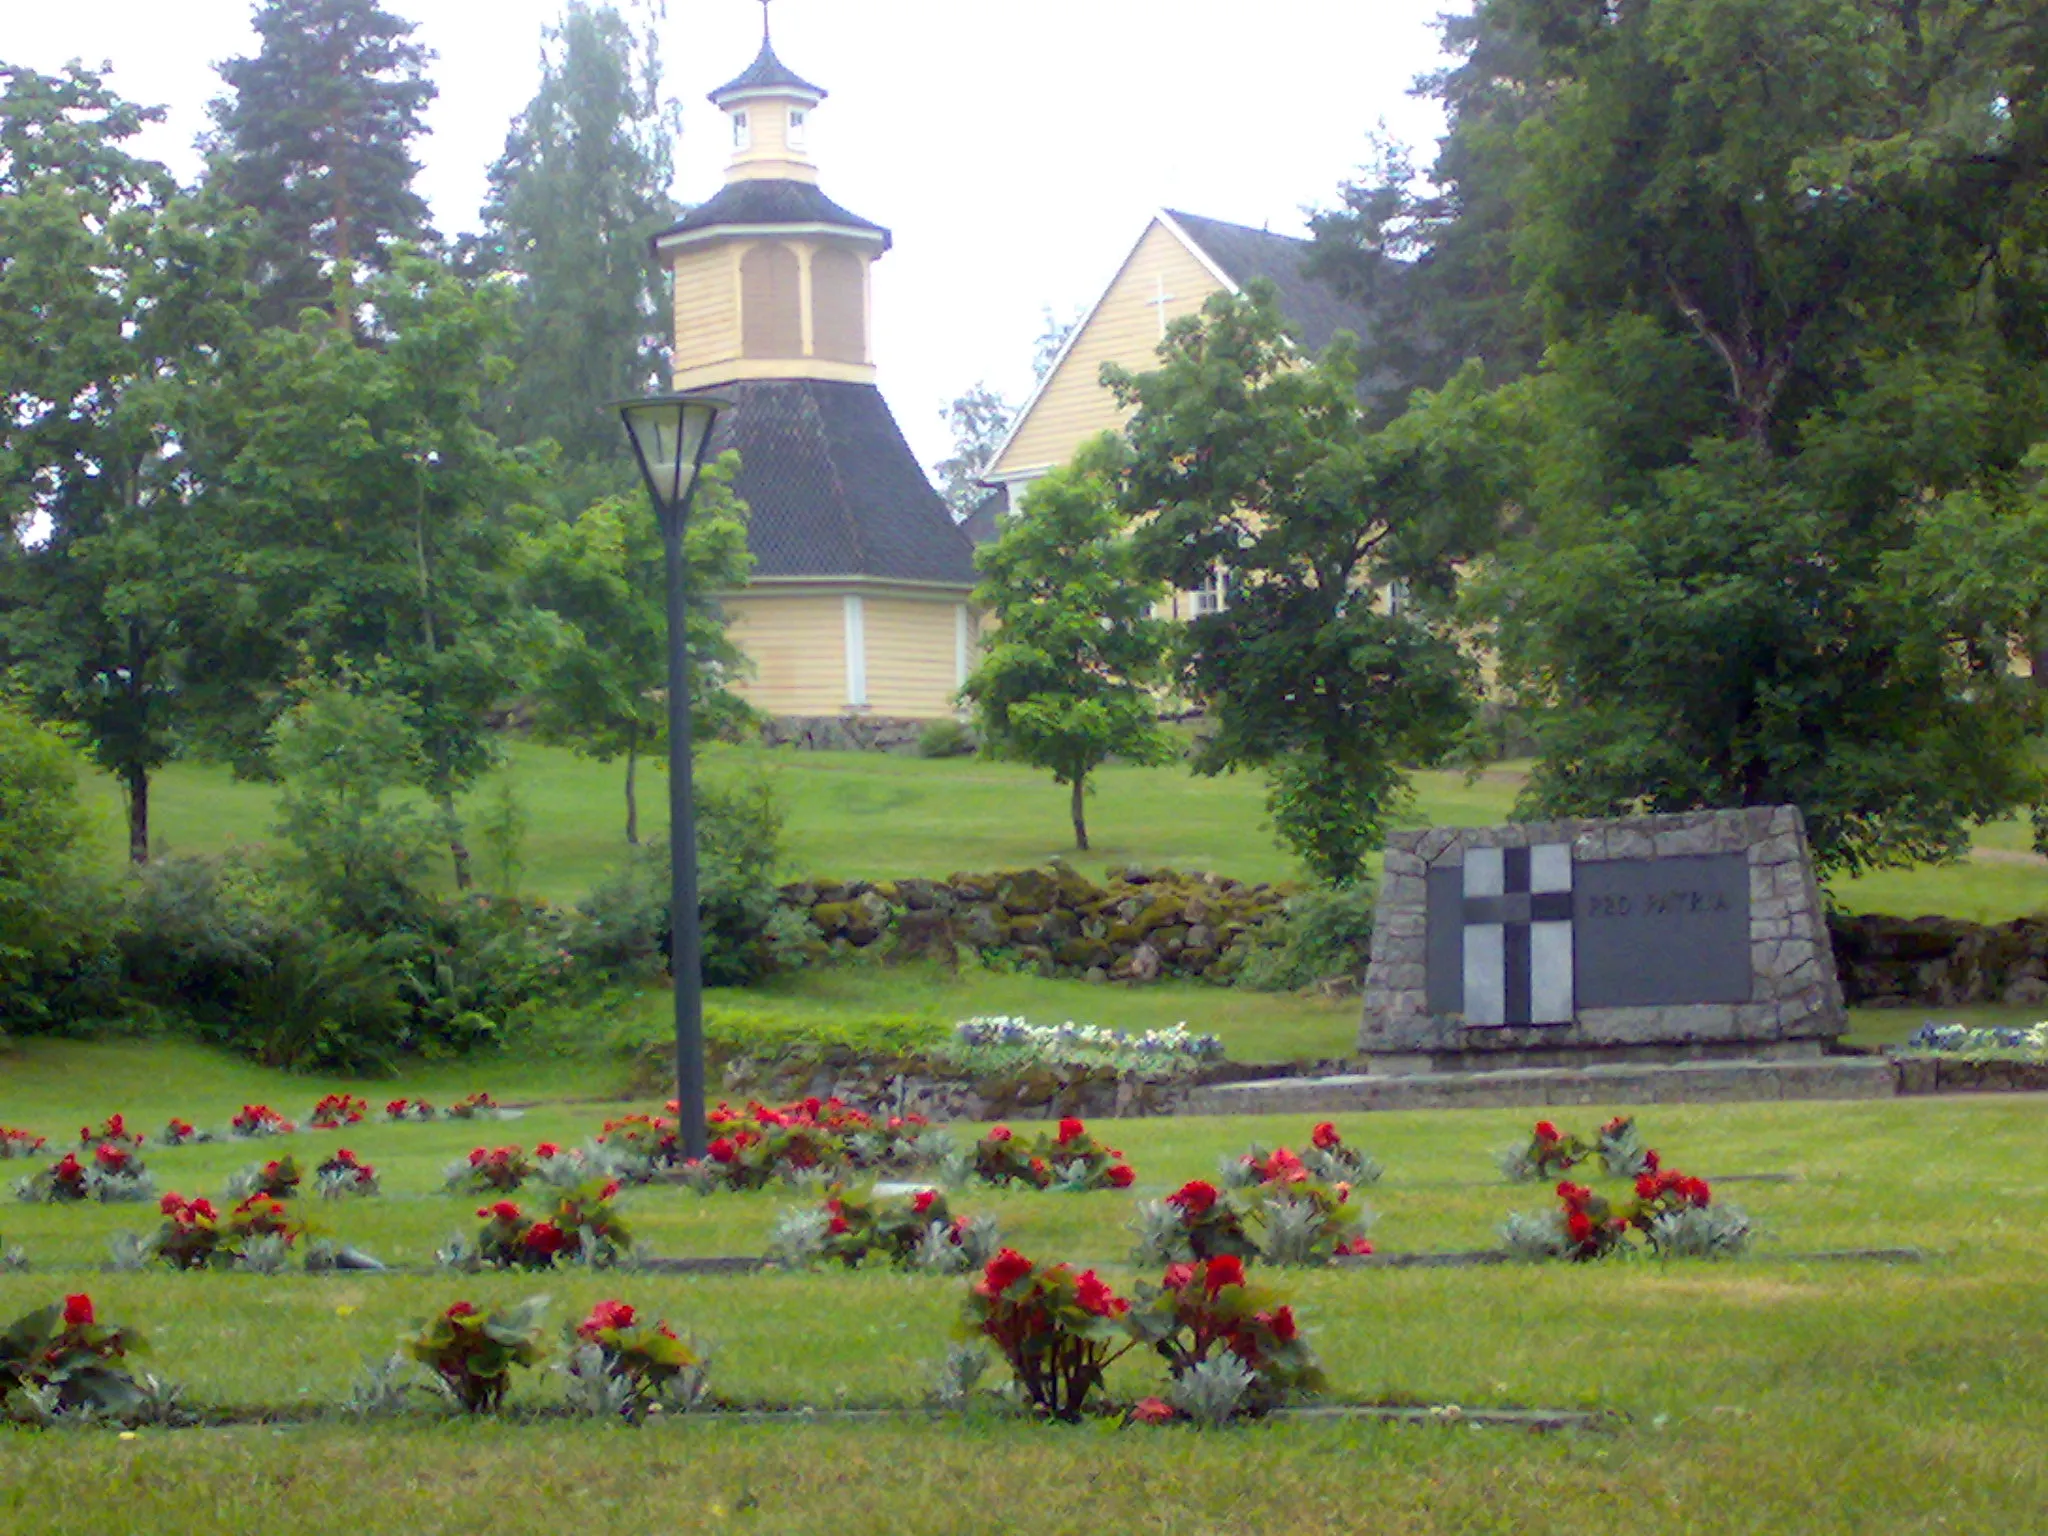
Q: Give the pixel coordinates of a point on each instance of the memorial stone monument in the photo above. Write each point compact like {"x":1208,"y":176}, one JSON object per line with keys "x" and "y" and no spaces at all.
{"x":1653,"y":939}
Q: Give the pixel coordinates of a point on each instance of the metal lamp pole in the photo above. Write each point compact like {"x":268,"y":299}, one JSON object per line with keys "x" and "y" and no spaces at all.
{"x":671,"y":435}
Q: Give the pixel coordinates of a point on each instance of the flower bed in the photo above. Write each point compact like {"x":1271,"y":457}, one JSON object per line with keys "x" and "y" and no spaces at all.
{"x":996,"y":1045}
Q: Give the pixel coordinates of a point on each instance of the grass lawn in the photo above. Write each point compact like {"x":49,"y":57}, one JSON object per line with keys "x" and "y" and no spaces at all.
{"x":866,"y":815}
{"x":1765,"y":1395}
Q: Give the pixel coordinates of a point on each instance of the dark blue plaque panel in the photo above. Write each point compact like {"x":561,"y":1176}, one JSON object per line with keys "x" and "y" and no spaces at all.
{"x":1654,"y":933}
{"x":1646,"y":933}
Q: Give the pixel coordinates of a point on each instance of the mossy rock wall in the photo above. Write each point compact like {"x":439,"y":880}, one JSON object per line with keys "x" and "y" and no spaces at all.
{"x":1140,"y":925}
{"x":1939,"y":962}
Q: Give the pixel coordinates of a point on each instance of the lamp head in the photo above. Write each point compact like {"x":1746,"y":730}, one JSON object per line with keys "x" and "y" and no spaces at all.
{"x":670,"y":435}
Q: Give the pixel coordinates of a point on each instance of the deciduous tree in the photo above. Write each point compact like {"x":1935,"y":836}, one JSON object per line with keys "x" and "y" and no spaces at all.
{"x":601,"y":681}
{"x":584,"y":181}
{"x":1331,"y":662}
{"x":1066,"y":683}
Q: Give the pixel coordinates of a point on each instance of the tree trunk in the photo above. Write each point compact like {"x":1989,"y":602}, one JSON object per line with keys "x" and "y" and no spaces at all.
{"x":136,"y":782}
{"x":1080,"y":813}
{"x":458,"y":850}
{"x":632,"y":800}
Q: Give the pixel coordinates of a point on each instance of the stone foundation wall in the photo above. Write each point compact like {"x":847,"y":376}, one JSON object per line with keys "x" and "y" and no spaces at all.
{"x":845,"y":733}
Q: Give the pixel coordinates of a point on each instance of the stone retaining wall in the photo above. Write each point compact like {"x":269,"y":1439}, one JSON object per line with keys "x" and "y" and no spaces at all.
{"x":1940,"y":962}
{"x":1144,"y":924}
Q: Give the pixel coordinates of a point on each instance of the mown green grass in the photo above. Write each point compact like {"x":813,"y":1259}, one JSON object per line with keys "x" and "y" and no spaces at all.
{"x":1772,"y":1394}
{"x":862,"y":815}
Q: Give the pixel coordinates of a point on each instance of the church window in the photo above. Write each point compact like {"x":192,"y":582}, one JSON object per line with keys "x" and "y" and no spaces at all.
{"x":838,"y":307}
{"x":742,"y":135}
{"x":796,"y":127}
{"x":771,"y":304}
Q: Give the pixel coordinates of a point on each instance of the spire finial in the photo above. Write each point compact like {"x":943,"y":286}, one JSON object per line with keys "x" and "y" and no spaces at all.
{"x":764,"y":23}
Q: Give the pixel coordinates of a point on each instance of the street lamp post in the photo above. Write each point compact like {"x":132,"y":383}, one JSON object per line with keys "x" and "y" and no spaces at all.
{"x":670,"y":436}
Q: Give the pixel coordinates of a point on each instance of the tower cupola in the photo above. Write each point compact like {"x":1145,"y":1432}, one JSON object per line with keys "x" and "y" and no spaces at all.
{"x":768,"y":108}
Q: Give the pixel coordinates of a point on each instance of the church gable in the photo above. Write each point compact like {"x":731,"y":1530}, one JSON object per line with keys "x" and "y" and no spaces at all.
{"x":1161,"y":280}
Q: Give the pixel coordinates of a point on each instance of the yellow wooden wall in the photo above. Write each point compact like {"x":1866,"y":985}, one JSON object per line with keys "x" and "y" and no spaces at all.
{"x":797,"y":643}
{"x":1124,"y":328}
{"x":707,"y":308}
{"x":912,"y":651}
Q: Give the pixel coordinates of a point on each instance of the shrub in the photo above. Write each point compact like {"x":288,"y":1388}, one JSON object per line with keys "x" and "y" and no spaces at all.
{"x":473,"y":1353}
{"x":622,"y":1365}
{"x":258,"y":1120}
{"x":1621,"y":1149}
{"x":56,"y":918}
{"x":1200,"y":1311}
{"x":1673,"y":1212}
{"x":337,"y":1110}
{"x":63,"y":1356}
{"x":910,"y":1230}
{"x":196,"y":1236}
{"x":1071,"y":1159}
{"x":362,"y":855}
{"x":1058,"y":1331}
{"x":946,"y":738}
{"x":277,"y":1179}
{"x":490,"y":1170}
{"x":623,"y":926}
{"x":1325,"y":932}
{"x":583,"y":1226}
{"x":1547,"y":1153}
{"x":111,"y":1174}
{"x":344,"y":1176}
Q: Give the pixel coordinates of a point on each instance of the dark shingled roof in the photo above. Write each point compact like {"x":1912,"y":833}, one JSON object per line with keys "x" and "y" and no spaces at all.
{"x":767,"y":72}
{"x":833,"y":488}
{"x":1315,"y":313}
{"x":984,"y":520}
{"x":770,"y":201}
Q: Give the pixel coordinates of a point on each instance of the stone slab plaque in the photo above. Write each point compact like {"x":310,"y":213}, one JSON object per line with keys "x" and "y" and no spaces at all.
{"x":1652,"y":938}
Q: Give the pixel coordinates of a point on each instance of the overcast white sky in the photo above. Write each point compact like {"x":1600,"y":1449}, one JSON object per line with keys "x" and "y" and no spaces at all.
{"x":1015,"y":151}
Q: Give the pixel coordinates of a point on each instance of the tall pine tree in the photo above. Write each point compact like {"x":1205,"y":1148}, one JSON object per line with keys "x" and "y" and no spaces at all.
{"x":315,"y":135}
{"x":581,"y":186}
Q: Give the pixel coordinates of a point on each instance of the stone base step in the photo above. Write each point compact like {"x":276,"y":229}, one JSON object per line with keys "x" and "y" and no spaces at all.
{"x":1833,"y":1077}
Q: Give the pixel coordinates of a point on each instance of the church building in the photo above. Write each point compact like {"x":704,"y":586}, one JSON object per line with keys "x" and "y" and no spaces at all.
{"x":858,"y":604}
{"x":1178,"y":262}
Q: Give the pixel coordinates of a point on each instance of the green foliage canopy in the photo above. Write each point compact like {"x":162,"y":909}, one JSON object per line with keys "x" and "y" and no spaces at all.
{"x":1777,"y":250}
{"x":315,"y":137}
{"x":1254,"y":466}
{"x":582,"y":185}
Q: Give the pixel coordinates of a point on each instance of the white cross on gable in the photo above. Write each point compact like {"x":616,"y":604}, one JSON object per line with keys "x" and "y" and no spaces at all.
{"x":1161,"y":298}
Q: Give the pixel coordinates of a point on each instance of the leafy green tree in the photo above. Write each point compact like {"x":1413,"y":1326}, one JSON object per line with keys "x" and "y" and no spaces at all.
{"x":315,"y":136}
{"x":120,"y":315}
{"x":582,"y":185}
{"x":1066,"y":682}
{"x":1792,"y":312}
{"x":1331,"y":662}
{"x":373,"y":525}
{"x":601,"y":684}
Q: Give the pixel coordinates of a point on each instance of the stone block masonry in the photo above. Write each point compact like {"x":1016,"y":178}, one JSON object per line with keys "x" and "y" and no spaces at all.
{"x":1683,"y":938}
